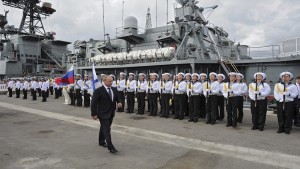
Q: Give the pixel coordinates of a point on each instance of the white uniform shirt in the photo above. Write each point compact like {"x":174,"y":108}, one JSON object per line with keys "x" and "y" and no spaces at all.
{"x":121,"y":85}
{"x":48,"y":84}
{"x":214,"y":88}
{"x":131,"y":86}
{"x":55,"y":86}
{"x":180,"y":87}
{"x":18,"y":85}
{"x":167,"y":87}
{"x":78,"y":84}
{"x":142,"y":86}
{"x":25,"y":85}
{"x":231,"y":88}
{"x":114,"y":84}
{"x":154,"y":87}
{"x":10,"y":84}
{"x":242,"y":89}
{"x":263,"y":88}
{"x":195,"y":89}
{"x":40,"y":85}
{"x":290,"y":89}
{"x":34,"y":85}
{"x":44,"y":86}
{"x":298,"y":88}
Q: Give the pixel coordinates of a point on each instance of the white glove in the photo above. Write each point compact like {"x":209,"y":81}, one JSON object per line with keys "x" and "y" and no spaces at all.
{"x":256,"y":92}
{"x":281,"y":100}
{"x":229,"y":90}
{"x":285,"y":93}
{"x":207,"y":90}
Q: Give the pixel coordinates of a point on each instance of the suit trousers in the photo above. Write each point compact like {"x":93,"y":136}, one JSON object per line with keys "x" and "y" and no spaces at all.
{"x":179,"y":101}
{"x":130,"y":102}
{"x":104,"y":132}
{"x":220,"y":113}
{"x":141,"y":102}
{"x":18,"y":93}
{"x":25,"y":94}
{"x":79,"y":97}
{"x":285,"y":116}
{"x":153,"y":103}
{"x":211,"y":109}
{"x":202,"y":107}
{"x":194,"y":107}
{"x":121,"y":94}
{"x":240,"y":106}
{"x":87,"y":100}
{"x":259,"y":113}
{"x":33,"y":94}
{"x":9,"y":92}
{"x":231,"y":109}
{"x":165,"y":105}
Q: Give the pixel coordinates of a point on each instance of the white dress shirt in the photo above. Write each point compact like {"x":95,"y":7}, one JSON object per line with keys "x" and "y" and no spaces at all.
{"x":44,"y":86}
{"x":142,"y":86}
{"x":131,"y":86}
{"x":231,"y":89}
{"x":34,"y":85}
{"x":18,"y":85}
{"x":196,"y":89}
{"x":167,"y":87}
{"x":154,"y":87}
{"x":180,"y":87}
{"x":213,"y":88}
{"x":290,"y":91}
{"x":263,"y":89}
{"x":111,"y":91}
{"x":25,"y":85}
{"x":121,"y":85}
{"x":78,"y":84}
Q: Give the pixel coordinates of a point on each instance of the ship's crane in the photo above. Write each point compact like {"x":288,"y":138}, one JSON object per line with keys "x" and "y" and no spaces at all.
{"x":31,"y":22}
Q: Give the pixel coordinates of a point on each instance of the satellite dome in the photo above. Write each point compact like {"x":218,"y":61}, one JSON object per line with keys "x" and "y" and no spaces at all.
{"x":131,"y":22}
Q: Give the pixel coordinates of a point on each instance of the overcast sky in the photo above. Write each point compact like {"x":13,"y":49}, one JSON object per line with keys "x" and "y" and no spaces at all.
{"x":251,"y":22}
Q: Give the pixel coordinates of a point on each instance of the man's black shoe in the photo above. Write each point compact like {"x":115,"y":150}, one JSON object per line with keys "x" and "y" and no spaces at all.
{"x":103,"y":145}
{"x":113,"y":151}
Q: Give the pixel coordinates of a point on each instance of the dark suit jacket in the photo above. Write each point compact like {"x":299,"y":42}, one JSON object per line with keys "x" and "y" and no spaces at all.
{"x":102,"y":105}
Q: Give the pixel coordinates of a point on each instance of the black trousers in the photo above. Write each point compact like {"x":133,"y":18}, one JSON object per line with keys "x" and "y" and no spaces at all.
{"x":186,"y":106}
{"x":194,"y":107}
{"x":285,"y":116}
{"x":296,"y":115}
{"x":122,"y":96}
{"x":33,"y":94}
{"x":60,"y":92}
{"x":259,"y":113}
{"x":44,"y":96}
{"x":148,"y":103}
{"x":25,"y":94}
{"x":179,"y":101}
{"x":202,"y":107}
{"x":18,"y":93}
{"x":104,"y":132}
{"x":40,"y":92}
{"x":231,"y":109}
{"x":153,"y":103}
{"x":165,"y":105}
{"x":72,"y":97}
{"x":79,"y":97}
{"x":47,"y":92}
{"x":141,"y":102}
{"x":9,"y":92}
{"x":220,"y":114}
{"x":130,"y":102}
{"x":240,"y":106}
{"x":211,"y":109}
{"x":56,"y":93}
{"x":51,"y":90}
{"x":87,"y":99}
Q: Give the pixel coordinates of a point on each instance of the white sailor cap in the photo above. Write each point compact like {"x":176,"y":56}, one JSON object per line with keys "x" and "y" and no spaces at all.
{"x":223,"y":76}
{"x":102,"y":74}
{"x":78,"y":75}
{"x":113,"y":76}
{"x":287,"y":73}
{"x":260,"y":73}
{"x":188,"y":74}
{"x":213,"y":73}
{"x":142,"y":74}
{"x":168,"y":74}
{"x":86,"y":76}
{"x":203,"y":74}
{"x":196,"y":74}
{"x":181,"y":74}
{"x":232,"y":74}
{"x":131,"y":74}
{"x":154,"y":74}
{"x":122,"y":73}
{"x":241,"y":75}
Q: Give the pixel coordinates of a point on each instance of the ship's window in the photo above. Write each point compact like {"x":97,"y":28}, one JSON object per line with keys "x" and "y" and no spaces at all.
{"x":26,"y":55}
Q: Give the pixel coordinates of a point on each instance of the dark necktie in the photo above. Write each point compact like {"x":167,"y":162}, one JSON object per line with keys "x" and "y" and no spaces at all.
{"x":109,"y":93}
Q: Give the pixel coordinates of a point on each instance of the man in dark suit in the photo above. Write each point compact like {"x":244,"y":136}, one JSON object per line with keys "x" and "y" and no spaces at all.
{"x":103,"y":107}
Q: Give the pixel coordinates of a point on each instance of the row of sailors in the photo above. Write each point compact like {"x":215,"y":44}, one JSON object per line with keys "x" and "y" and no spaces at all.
{"x":42,"y":85}
{"x":190,"y":92}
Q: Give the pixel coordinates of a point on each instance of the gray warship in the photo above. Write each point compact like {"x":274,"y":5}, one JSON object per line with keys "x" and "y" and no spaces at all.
{"x":29,"y":50}
{"x":189,"y":43}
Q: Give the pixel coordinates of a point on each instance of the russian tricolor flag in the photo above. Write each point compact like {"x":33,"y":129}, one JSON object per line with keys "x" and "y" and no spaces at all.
{"x":68,"y":78}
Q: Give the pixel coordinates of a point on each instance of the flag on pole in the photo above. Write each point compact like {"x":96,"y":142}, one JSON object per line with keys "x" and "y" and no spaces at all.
{"x":95,"y":80}
{"x":68,"y":78}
